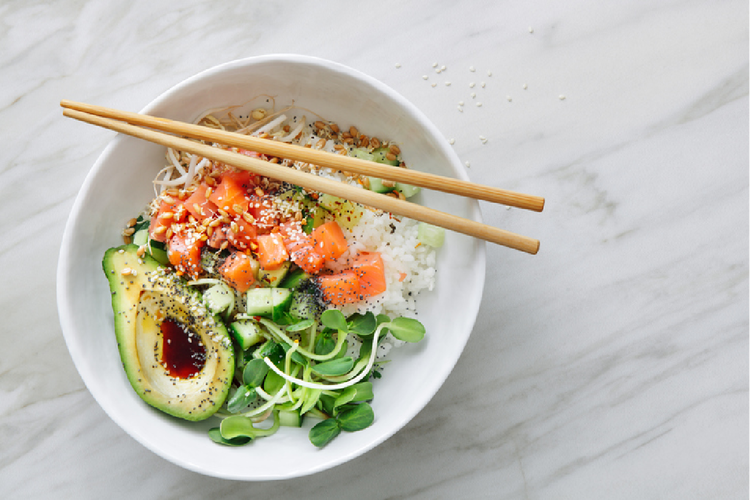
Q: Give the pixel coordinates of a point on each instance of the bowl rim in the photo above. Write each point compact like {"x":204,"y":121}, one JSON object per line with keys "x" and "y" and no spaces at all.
{"x":63,"y":276}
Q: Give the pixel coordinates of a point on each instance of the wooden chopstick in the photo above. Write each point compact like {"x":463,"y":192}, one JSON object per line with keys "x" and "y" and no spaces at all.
{"x":314,"y":182}
{"x":318,"y":157}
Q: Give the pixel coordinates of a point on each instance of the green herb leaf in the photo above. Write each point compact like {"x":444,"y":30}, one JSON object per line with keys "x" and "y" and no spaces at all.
{"x":358,"y":418}
{"x":362,"y":324}
{"x":342,"y":351}
{"x":240,"y":398}
{"x":237,"y":426}
{"x":354,"y":394}
{"x":334,"y":367}
{"x":296,"y":356}
{"x":382,"y":318}
{"x":323,"y":432}
{"x":326,"y":403}
{"x":241,"y":426}
{"x":301,"y":325}
{"x":273,"y":383}
{"x":324,"y":344}
{"x":334,"y":319}
{"x":254,"y":373}
{"x":274,"y":352}
{"x":216,"y":437}
{"x":311,"y":398}
{"x":407,"y":329}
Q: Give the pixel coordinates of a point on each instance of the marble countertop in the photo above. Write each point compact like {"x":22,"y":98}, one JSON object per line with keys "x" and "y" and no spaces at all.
{"x":613,"y":364}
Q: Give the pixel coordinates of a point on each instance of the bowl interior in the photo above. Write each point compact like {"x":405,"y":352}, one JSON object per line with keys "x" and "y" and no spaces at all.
{"x":119,"y":186}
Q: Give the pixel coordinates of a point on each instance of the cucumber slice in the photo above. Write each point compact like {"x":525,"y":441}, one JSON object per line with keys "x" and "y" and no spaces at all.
{"x":362,"y":154}
{"x":294,"y":278}
{"x":140,"y":237}
{"x":379,"y":155}
{"x":268,"y":302}
{"x":377,"y":185}
{"x":259,"y":302}
{"x":218,"y":298}
{"x":316,"y":216}
{"x":158,"y":251}
{"x":246,"y":332}
{"x":290,"y":418}
{"x":428,"y":234}
{"x":330,"y":202}
{"x":274,"y":277}
{"x":407,"y":189}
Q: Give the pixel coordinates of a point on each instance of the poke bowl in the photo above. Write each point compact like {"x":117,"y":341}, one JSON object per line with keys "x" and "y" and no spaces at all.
{"x":119,"y":186}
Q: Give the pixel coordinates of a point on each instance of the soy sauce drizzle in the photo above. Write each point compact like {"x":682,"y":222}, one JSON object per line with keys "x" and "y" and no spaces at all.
{"x":183,"y":355}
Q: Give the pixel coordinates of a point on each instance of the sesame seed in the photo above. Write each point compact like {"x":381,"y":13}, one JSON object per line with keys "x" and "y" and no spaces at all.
{"x":509,"y":98}
{"x":471,"y":85}
{"x":525,"y":86}
{"x":434,"y":85}
{"x":425,"y":77}
{"x":531,"y":30}
{"x":452,"y":141}
{"x":398,"y":65}
{"x":434,"y":65}
{"x":447,"y":84}
{"x":460,"y":103}
{"x":473,"y":95}
{"x":468,"y":164}
{"x":561,"y":97}
{"x":460,"y":109}
{"x":479,"y":104}
{"x":442,"y":68}
{"x":482,"y":84}
{"x":471,"y":68}
{"x":489,"y":73}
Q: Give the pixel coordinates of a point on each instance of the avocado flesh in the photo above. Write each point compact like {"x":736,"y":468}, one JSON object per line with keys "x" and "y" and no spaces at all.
{"x":141,"y":302}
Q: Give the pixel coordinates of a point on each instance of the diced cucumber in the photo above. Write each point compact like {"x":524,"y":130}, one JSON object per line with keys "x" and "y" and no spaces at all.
{"x":349,"y":214}
{"x":259,"y":302}
{"x":219,"y":298}
{"x":330,"y":202}
{"x":273,"y":278}
{"x":378,"y":186}
{"x":140,"y":237}
{"x":316,"y":216}
{"x":304,"y":306}
{"x":407,"y":189}
{"x":428,"y":234}
{"x":379,"y":155}
{"x":294,"y":278}
{"x":246,"y":332}
{"x":268,"y":302}
{"x":158,"y":251}
{"x":290,"y":418}
{"x":362,"y":154}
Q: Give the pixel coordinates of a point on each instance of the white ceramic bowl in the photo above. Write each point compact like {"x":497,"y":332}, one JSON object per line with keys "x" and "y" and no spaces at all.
{"x":118,"y":186}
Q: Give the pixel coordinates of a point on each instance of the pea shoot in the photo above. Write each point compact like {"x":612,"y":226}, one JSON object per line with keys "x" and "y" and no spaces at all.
{"x":309,"y":368}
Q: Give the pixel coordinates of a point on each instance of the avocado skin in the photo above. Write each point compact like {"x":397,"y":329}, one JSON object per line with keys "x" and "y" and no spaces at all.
{"x":140,"y":301}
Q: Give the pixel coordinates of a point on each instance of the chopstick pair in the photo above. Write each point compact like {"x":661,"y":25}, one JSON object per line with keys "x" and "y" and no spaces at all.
{"x":126,"y":123}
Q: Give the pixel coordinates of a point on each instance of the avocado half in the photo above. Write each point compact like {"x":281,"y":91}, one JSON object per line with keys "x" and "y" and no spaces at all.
{"x":176,"y":354}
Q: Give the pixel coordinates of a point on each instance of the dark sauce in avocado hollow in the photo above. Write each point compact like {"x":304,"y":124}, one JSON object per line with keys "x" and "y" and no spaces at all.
{"x":183,"y":355}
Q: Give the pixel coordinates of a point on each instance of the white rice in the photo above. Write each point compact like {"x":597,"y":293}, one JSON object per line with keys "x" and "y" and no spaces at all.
{"x":409,"y":265}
